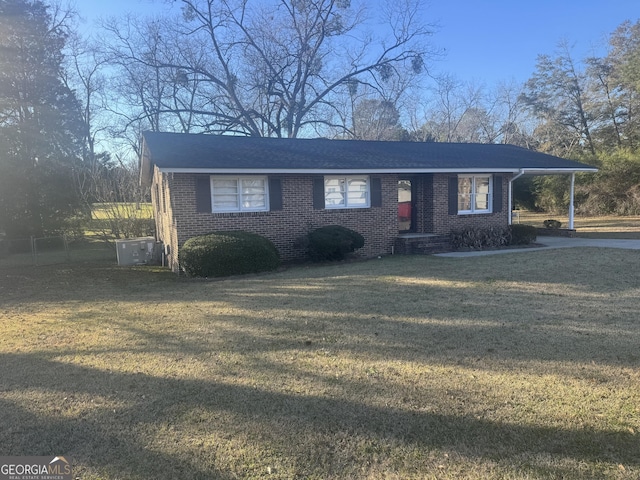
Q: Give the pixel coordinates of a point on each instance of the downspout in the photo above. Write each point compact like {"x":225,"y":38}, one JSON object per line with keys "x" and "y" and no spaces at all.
{"x":511,"y":195}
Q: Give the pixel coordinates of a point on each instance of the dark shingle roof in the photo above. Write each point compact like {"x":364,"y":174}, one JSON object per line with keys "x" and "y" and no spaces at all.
{"x":175,"y":151}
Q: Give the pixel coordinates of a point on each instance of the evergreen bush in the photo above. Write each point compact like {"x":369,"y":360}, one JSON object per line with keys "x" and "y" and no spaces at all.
{"x":333,"y":242}
{"x":221,"y":254}
{"x":523,"y":234}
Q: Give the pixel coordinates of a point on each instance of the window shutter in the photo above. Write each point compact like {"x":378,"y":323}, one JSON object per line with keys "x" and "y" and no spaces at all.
{"x":453,"y":195}
{"x":497,"y":193}
{"x":275,"y":193}
{"x":318,"y":193}
{"x":203,"y":194}
{"x":376,"y":192}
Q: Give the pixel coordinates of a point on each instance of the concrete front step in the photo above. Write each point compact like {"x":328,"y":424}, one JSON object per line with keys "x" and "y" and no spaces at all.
{"x":417,"y":244}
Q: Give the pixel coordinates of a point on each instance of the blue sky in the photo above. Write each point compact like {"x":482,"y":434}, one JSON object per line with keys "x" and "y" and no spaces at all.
{"x":486,"y":41}
{"x":492,"y":40}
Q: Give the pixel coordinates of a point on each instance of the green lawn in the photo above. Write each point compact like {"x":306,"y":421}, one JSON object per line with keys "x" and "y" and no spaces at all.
{"x":516,"y":366}
{"x":102,"y":211}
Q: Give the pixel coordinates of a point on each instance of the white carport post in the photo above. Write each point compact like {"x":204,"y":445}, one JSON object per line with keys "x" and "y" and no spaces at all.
{"x":571,"y":195}
{"x":511,"y":195}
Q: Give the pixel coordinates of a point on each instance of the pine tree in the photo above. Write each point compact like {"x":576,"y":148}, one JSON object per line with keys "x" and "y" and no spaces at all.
{"x":40,"y":126}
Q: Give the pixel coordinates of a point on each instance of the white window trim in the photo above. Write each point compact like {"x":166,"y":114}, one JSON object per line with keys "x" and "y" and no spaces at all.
{"x":346,"y":198}
{"x":239,"y":179}
{"x":473,"y":210}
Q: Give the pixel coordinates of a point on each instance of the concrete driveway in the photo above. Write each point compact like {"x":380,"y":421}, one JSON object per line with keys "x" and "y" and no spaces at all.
{"x":553,"y":242}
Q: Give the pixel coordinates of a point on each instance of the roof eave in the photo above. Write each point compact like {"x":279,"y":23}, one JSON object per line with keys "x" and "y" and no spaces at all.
{"x":331,"y":171}
{"x":359,"y":171}
{"x":556,"y":171}
{"x":146,"y":165}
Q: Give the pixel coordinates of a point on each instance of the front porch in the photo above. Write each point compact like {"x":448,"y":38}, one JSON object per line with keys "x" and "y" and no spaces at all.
{"x":424,"y":227}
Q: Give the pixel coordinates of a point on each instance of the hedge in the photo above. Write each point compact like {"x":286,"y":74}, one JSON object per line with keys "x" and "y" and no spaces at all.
{"x":221,"y":254}
{"x":333,"y":242}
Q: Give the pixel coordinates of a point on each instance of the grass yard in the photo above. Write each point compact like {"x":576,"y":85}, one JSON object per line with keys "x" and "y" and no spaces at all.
{"x":522,"y":366}
{"x":110,"y":221}
{"x":587,"y":227}
{"x":103,"y":211}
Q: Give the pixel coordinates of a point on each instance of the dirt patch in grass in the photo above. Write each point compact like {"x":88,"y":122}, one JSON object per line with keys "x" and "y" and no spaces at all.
{"x":510,"y":366}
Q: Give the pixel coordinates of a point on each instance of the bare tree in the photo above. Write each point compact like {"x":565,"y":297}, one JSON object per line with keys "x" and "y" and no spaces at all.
{"x":107,"y":181}
{"x":512,"y":115}
{"x":468,"y":112}
{"x":376,"y":120}
{"x":557,"y":93}
{"x":618,"y":77}
{"x":141,"y":88}
{"x":84,"y":74}
{"x":455,"y":112}
{"x":275,"y":68}
{"x":118,"y":196}
{"x":607,"y":108}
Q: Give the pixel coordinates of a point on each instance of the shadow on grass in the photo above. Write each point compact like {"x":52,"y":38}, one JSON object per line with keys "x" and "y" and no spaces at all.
{"x":420,"y":310}
{"x":590,"y":269}
{"x":610,"y":235}
{"x":119,"y":442}
{"x":411,"y":309}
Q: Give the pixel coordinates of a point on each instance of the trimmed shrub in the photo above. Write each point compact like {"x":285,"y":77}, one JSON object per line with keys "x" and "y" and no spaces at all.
{"x":523,"y":234}
{"x":220,"y":254}
{"x":479,"y":238}
{"x":333,"y":242}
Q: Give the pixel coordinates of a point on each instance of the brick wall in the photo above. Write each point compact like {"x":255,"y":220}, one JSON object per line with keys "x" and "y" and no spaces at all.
{"x":286,"y":227}
{"x":163,"y":211}
{"x":443,"y":223}
{"x":177,"y":219}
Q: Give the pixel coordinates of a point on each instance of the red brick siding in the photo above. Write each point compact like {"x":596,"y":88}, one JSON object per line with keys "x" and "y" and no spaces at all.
{"x":379,"y":225}
{"x":443,"y":223}
{"x":163,"y":209}
{"x":426,"y":199}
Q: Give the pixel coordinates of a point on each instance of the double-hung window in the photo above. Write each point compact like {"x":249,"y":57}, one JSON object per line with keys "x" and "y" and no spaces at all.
{"x":239,"y":194}
{"x":347,"y":192}
{"x":474,"y":194}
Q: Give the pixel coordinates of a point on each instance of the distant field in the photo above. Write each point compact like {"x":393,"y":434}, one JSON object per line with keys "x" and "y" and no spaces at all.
{"x":592,"y":227}
{"x":102,"y":211}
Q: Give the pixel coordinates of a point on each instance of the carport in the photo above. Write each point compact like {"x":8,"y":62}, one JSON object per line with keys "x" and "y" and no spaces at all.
{"x":550,"y":171}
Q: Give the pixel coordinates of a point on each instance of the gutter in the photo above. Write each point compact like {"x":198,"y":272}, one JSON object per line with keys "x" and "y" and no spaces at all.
{"x":332,"y":171}
{"x":370,"y":171}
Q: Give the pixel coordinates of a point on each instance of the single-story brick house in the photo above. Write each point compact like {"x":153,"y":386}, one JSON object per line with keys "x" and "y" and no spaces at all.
{"x":390,"y":192}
